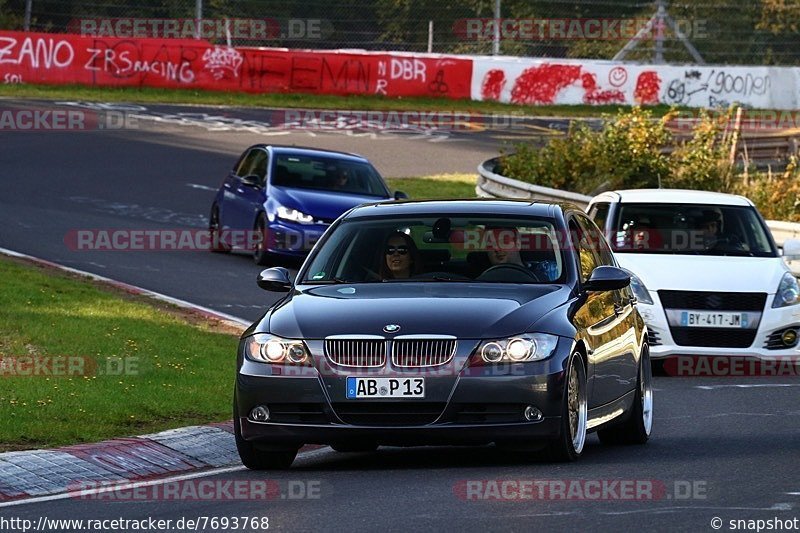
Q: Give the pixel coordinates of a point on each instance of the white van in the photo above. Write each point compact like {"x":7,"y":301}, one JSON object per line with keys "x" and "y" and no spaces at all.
{"x":707,"y":274}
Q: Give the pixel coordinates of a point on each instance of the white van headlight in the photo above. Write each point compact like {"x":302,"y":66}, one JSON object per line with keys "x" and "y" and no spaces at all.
{"x":639,"y":289}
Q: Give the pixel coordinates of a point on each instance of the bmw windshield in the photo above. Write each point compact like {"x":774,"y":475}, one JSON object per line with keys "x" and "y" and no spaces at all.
{"x":691,"y":229}
{"x":436,"y":248}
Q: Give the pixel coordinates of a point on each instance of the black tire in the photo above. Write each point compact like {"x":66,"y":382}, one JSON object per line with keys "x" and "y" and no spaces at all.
{"x":261,"y":459}
{"x":572,"y":436}
{"x":214,"y":232}
{"x":354,"y":447}
{"x":637,"y":427}
{"x":260,"y":254}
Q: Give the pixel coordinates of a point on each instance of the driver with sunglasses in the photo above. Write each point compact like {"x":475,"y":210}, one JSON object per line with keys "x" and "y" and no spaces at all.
{"x":400,"y":257}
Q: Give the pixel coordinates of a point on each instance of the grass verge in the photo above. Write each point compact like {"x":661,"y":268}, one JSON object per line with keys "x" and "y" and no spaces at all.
{"x":439,"y":186}
{"x":298,"y":100}
{"x":127,"y":366}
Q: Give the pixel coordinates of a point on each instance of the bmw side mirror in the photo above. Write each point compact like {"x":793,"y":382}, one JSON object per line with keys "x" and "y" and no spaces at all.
{"x":251,"y":181}
{"x":400,"y":195}
{"x":275,"y":279}
{"x":607,"y":278}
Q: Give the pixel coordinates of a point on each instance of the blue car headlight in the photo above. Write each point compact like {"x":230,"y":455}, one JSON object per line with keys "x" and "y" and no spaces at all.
{"x":519,"y":349}
{"x":639,"y":289}
{"x":788,"y":292}
{"x":294,"y":215}
{"x":266,"y":348}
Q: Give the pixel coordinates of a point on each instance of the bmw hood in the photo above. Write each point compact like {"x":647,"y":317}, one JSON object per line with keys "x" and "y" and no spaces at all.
{"x":320,"y":204}
{"x":462,"y":310}
{"x":705,"y":273}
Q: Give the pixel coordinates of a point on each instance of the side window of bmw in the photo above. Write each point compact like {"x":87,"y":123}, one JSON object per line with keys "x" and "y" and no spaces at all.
{"x":599,"y":214}
{"x":596,"y":241}
{"x":586,"y":257}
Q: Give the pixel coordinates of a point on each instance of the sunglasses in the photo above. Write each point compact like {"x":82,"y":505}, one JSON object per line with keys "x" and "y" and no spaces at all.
{"x":402,"y":250}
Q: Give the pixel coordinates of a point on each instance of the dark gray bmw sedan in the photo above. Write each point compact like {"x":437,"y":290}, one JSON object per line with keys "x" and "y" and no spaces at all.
{"x":446,"y":322}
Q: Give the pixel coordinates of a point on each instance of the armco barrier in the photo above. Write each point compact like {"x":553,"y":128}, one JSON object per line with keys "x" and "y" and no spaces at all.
{"x":493,"y":185}
{"x":195,"y":64}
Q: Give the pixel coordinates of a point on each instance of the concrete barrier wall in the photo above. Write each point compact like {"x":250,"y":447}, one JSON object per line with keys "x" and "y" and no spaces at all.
{"x":551,"y":81}
{"x":196,"y":64}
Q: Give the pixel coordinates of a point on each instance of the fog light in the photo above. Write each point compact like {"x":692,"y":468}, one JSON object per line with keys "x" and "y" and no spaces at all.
{"x":789,"y":337}
{"x":259,"y":414}
{"x":532,"y":414}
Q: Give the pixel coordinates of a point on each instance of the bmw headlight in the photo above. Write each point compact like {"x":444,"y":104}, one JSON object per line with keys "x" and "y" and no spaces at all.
{"x":265,"y":348}
{"x":639,"y":289}
{"x":788,"y":291}
{"x":294,"y":215}
{"x":519,"y":349}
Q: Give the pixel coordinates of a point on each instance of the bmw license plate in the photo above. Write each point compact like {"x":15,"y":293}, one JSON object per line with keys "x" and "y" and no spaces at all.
{"x":713,"y":320}
{"x":358,"y":388}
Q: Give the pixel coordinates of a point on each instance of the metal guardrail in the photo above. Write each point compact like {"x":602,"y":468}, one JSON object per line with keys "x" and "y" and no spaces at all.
{"x":493,"y":185}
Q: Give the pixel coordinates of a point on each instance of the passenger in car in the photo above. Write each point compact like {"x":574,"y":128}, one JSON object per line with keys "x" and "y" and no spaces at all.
{"x":502,"y":246}
{"x":400,"y":257}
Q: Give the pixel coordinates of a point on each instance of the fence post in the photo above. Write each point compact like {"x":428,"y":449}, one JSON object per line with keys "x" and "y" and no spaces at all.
{"x":28,"y":9}
{"x":198,"y":15}
{"x":496,"y":40}
{"x":430,"y":36}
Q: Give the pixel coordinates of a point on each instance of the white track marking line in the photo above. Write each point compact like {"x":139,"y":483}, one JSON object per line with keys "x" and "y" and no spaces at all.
{"x":202,"y":187}
{"x":157,"y":295}
{"x":664,"y":510}
{"x":747,"y":386}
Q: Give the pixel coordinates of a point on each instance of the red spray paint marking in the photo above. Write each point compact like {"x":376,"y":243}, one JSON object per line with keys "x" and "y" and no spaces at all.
{"x":493,"y":83}
{"x":648,"y":85}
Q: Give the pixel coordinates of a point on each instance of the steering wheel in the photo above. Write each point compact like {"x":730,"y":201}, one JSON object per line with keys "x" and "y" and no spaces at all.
{"x":512,"y":268}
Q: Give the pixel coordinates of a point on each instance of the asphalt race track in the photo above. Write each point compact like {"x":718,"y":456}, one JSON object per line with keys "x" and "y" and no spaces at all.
{"x":722,"y":448}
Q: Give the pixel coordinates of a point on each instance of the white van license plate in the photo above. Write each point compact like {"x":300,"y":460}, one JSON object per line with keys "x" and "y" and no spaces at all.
{"x":702,"y":319}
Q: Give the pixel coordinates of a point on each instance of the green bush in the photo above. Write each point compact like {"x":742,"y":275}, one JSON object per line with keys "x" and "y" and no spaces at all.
{"x":777,"y":197}
{"x":625,"y":153}
{"x":628,"y":153}
{"x":702,"y":162}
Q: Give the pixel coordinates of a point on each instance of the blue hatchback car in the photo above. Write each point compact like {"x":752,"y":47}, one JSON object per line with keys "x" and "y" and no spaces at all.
{"x":279,"y":200}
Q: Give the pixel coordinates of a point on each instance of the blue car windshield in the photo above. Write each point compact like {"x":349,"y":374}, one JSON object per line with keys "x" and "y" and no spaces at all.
{"x":327,"y":174}
{"x":465,"y":248}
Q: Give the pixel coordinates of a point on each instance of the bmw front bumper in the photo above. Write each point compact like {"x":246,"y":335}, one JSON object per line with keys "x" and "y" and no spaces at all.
{"x":473,"y":405}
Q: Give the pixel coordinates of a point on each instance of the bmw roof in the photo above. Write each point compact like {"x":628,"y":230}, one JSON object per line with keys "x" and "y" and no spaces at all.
{"x":477,"y":206}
